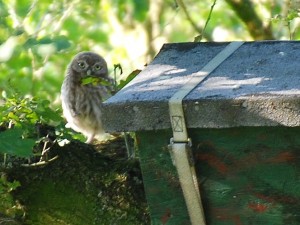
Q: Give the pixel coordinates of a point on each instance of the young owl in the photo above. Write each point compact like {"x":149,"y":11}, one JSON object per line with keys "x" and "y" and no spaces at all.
{"x":85,"y":87}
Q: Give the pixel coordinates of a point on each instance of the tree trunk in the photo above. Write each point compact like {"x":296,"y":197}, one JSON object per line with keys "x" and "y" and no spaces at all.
{"x":246,"y":12}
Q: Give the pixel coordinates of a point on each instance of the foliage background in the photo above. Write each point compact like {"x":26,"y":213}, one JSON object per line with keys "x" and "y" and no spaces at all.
{"x":39,"y":38}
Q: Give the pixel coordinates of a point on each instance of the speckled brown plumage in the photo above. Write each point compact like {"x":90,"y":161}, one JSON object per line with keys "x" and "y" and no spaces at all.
{"x":82,"y":103}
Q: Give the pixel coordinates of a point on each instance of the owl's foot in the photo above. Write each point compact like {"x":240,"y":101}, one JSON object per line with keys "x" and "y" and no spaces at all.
{"x":90,"y":139}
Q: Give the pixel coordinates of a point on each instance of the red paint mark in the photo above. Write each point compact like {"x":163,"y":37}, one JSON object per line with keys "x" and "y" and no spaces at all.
{"x":165,"y":218}
{"x":225,"y":214}
{"x":282,"y":157}
{"x":235,"y":219}
{"x":214,"y":162}
{"x":277,"y":198}
{"x":262,"y":137}
{"x":257,"y":158}
{"x":251,"y":160}
{"x":265,"y":198}
{"x":258,"y":207}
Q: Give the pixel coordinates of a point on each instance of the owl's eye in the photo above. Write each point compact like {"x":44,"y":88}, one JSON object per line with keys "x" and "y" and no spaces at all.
{"x":81,"y":65}
{"x":97,"y":67}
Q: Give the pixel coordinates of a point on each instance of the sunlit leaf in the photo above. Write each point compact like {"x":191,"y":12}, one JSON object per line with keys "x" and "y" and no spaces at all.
{"x":95,"y":81}
{"x":98,"y":35}
{"x":8,"y":48}
{"x":22,"y":7}
{"x":129,"y":78}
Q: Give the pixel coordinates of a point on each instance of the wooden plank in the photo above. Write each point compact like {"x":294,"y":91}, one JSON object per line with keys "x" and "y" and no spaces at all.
{"x":163,"y":192}
{"x":247,"y":175}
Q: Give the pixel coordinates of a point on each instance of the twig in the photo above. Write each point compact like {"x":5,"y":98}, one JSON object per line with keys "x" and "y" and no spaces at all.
{"x":55,"y":19}
{"x":199,"y":37}
{"x":32,"y":7}
{"x":6,"y":221}
{"x":289,"y":30}
{"x":67,"y":12}
{"x":194,"y":25}
{"x":40,"y":163}
{"x":17,"y":22}
{"x":130,"y":152}
{"x":45,"y":149}
{"x":209,"y":16}
{"x":43,"y":159}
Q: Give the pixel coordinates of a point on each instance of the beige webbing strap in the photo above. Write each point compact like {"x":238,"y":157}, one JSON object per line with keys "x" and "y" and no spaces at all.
{"x":180,"y":143}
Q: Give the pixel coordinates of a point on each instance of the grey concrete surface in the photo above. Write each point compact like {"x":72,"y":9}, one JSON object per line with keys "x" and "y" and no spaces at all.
{"x":258,"y":85}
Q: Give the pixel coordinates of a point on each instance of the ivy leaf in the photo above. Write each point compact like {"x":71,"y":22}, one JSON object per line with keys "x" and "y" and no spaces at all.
{"x":11,"y":142}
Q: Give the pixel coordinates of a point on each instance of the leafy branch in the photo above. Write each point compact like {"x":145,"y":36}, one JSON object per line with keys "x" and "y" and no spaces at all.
{"x":189,"y":18}
{"x":199,"y":37}
{"x":196,"y":27}
{"x":291,"y":15}
{"x":21,"y":119}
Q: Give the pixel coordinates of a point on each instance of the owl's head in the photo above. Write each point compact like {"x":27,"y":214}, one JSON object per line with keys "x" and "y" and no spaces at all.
{"x":87,"y":64}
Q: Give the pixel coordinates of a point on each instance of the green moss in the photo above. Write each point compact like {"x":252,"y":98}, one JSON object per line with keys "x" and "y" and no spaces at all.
{"x":57,"y":203}
{"x":83,"y":186}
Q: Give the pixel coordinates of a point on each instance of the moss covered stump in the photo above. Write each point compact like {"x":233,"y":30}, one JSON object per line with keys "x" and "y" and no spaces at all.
{"x":84,"y":185}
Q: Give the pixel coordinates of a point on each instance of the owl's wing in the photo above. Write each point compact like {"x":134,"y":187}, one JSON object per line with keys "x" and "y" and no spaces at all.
{"x":105,"y":92}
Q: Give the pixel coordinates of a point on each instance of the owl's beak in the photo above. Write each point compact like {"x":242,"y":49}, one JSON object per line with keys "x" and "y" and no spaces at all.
{"x":89,"y":72}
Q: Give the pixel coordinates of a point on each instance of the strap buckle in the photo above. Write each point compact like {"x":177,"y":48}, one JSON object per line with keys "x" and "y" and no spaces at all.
{"x":188,"y":148}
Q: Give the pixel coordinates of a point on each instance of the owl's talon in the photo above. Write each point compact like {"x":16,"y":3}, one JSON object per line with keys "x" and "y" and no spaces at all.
{"x":90,"y":139}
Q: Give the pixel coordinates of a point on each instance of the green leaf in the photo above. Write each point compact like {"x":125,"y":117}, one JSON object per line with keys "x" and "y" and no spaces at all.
{"x":13,"y":185}
{"x":45,"y":41}
{"x":95,"y":81}
{"x":87,"y":80}
{"x":22,"y":7}
{"x":3,"y":10}
{"x":98,"y":35}
{"x":61,"y":42}
{"x":129,"y":78}
{"x":141,"y":8}
{"x":49,"y":115}
{"x":11,"y":142}
{"x":30,"y":42}
{"x":292,"y":15}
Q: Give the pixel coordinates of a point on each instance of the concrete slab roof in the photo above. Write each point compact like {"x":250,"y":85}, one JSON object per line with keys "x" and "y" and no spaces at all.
{"x":258,"y":85}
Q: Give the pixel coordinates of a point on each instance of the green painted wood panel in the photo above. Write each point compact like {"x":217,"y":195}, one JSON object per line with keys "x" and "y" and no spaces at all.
{"x":163,"y":192}
{"x":247,"y":176}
